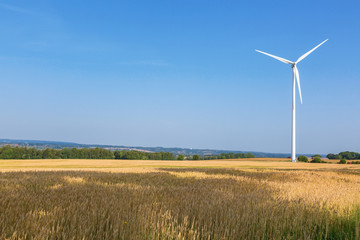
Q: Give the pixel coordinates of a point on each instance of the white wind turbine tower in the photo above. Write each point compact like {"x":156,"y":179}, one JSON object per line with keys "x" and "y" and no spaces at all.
{"x":295,"y":75}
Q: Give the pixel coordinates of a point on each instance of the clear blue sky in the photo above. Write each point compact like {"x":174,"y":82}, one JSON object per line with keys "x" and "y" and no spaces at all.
{"x":180,"y":73}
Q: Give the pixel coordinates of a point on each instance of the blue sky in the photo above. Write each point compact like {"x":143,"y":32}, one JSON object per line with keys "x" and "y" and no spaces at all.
{"x":180,"y":73}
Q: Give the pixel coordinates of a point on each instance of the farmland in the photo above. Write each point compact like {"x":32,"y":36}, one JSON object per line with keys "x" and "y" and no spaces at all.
{"x":228,"y":199}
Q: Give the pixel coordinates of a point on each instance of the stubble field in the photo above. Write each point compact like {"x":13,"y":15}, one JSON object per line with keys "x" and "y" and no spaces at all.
{"x":230,"y":199}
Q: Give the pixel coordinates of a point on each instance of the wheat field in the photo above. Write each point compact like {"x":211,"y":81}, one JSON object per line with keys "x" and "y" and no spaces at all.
{"x":230,"y":199}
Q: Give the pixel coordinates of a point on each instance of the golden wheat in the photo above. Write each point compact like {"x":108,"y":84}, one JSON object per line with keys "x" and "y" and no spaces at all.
{"x":180,"y":203}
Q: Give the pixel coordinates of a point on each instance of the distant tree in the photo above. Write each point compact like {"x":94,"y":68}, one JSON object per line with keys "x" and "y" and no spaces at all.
{"x":342,"y":161}
{"x":196,"y":157}
{"x":303,"y":159}
{"x":249,"y":155}
{"x":180,"y":157}
{"x":316,"y":155}
{"x":349,"y":155}
{"x":57,"y":153}
{"x":167,"y":156}
{"x":333,"y":156}
{"x":117,"y":154}
{"x":316,"y":160}
{"x":75,"y":153}
{"x":18,"y":153}
{"x":65,"y":153}
{"x":32,"y":153}
{"x":48,"y":153}
{"x":7,"y":152}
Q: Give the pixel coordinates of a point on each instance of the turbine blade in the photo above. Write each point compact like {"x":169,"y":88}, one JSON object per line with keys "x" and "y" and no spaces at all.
{"x":298,"y":81}
{"x":306,"y":54}
{"x":278,"y":58}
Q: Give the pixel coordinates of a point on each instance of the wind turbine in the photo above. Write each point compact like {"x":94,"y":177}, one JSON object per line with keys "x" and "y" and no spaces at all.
{"x":295,"y":75}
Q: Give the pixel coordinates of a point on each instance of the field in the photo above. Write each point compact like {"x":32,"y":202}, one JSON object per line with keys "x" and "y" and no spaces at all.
{"x":230,"y":199}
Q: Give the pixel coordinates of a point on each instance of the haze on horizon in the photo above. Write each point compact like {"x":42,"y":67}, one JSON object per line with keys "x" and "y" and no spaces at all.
{"x":180,"y":74}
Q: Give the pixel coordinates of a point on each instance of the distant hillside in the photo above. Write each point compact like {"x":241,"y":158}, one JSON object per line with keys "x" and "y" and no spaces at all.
{"x":176,"y":151}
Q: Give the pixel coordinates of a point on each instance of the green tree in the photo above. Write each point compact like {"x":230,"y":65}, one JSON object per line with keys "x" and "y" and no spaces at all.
{"x":316,"y":160}
{"x":48,"y":153}
{"x":342,"y":161}
{"x":7,"y":152}
{"x":65,"y":153}
{"x":249,"y":155}
{"x":349,"y":155}
{"x":180,"y":157}
{"x":196,"y":157}
{"x":303,"y":159}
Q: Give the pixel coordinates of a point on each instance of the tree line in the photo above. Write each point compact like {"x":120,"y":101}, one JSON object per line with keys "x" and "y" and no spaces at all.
{"x":221,"y":156}
{"x":8,"y":152}
{"x":229,"y":156}
{"x":143,"y":155}
{"x":344,"y":155}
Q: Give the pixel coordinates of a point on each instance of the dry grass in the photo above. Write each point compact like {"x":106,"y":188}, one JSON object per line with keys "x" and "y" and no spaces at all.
{"x":139,"y":201}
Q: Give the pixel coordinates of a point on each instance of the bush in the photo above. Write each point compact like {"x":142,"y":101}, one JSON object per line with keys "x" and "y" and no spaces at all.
{"x":316,"y":160}
{"x":196,"y":157}
{"x":303,"y":159}
{"x":342,"y":161}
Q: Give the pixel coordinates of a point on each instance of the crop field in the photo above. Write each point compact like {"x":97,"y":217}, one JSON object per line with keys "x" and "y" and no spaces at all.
{"x":229,"y":199}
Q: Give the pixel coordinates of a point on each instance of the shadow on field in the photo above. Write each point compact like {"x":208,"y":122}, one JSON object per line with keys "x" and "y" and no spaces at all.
{"x":279,"y":175}
{"x":275,"y":175}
